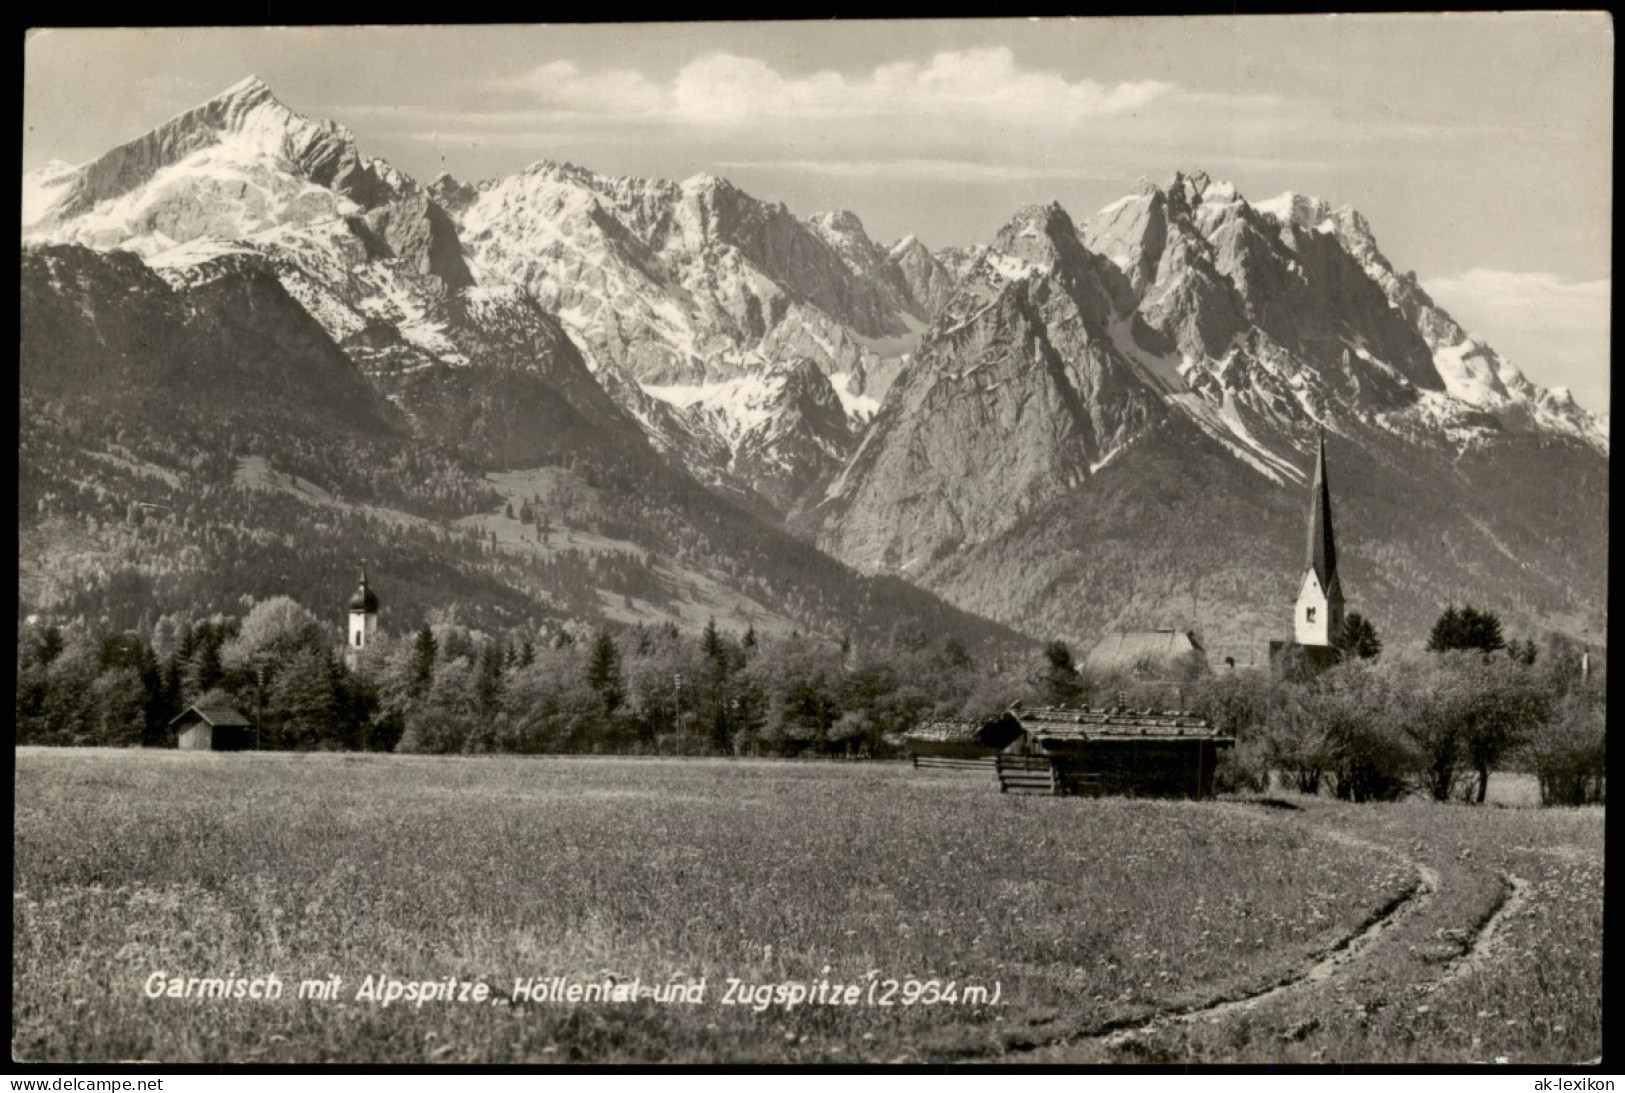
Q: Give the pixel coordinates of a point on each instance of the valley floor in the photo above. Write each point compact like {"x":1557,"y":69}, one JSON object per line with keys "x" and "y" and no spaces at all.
{"x":999,"y":929}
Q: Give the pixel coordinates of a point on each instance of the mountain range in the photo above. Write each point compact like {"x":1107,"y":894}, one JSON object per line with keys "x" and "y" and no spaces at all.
{"x":1078,"y":427}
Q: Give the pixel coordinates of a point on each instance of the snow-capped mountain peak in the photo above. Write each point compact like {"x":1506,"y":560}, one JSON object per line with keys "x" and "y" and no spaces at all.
{"x":685,"y":294}
{"x":237,"y":164}
{"x":706,"y":183}
{"x":247,"y":86}
{"x":905,"y":245}
{"x":1295,"y":208}
{"x":1150,"y":384}
{"x":1032,"y":241}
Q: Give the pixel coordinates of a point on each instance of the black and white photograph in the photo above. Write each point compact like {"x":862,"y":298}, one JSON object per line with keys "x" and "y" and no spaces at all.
{"x":905,"y":543}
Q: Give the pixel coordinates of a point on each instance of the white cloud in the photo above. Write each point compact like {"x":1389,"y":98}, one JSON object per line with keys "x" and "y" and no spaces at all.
{"x":1554,"y":329}
{"x":726,"y":89}
{"x":1526,"y":291}
{"x":562,"y":86}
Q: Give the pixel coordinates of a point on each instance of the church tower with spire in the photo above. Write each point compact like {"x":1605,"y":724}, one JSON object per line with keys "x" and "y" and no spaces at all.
{"x":1318,"y":616}
{"x":363,"y":617}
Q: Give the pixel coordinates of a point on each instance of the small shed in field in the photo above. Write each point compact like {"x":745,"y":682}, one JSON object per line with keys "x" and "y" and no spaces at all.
{"x":961,"y":743}
{"x":210,"y":728}
{"x":1096,"y":752}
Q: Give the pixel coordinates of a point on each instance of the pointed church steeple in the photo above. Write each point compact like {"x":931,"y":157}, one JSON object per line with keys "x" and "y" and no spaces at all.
{"x":1318,"y":616}
{"x":1322,"y":545}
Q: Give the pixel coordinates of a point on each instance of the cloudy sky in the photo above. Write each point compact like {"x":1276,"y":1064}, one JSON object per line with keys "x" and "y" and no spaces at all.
{"x":1478,"y":146}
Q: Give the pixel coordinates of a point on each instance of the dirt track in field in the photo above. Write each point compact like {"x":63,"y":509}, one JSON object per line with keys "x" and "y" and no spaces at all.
{"x":1298,"y":1003}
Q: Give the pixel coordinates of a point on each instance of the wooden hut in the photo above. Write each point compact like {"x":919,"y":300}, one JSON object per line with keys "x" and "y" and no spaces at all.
{"x":1143,"y":753}
{"x":961,"y":744}
{"x":211,"y":728}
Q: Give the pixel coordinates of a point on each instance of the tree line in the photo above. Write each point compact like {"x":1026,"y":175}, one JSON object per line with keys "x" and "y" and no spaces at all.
{"x":448,"y":688}
{"x":1373,"y":727}
{"x":1437,"y":723}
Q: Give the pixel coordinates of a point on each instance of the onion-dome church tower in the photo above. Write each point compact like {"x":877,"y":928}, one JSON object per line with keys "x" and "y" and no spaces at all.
{"x":1319,"y":614}
{"x":363,"y":617}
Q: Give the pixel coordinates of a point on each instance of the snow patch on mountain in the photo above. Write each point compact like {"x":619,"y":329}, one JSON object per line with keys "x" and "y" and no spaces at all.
{"x":224,"y":190}
{"x":1225,"y":425}
{"x":859,"y":408}
{"x":194,"y":251}
{"x":1469,"y":375}
{"x":1121,"y":203}
{"x":1105,"y":460}
{"x":1012,"y":268}
{"x":42,"y":188}
{"x":1166,"y":371}
{"x":743,"y":404}
{"x":1314,"y":213}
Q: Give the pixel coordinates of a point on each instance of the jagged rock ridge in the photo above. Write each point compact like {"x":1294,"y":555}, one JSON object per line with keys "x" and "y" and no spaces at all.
{"x":249,"y":264}
{"x":948,"y":413}
{"x":691,"y":290}
{"x":1070,"y":360}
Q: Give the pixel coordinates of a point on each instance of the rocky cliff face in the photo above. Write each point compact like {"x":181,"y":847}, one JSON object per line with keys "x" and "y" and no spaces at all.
{"x":360,"y":251}
{"x":694,"y":291}
{"x":929,"y":283}
{"x":678,"y":283}
{"x":417,"y":232}
{"x":1015,"y":394}
{"x":1469,"y":370}
{"x":675,"y":292}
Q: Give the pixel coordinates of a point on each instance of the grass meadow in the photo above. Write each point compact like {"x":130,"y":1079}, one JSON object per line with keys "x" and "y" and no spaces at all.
{"x":1085,"y":915}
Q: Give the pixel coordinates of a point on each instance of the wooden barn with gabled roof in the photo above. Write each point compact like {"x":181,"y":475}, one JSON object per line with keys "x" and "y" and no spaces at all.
{"x":961,"y":743}
{"x":1111,"y":751}
{"x":210,"y":728}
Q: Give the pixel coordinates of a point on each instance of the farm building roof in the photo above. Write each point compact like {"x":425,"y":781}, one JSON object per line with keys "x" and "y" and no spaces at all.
{"x":944,"y":731}
{"x":1127,"y":650}
{"x":992,"y":731}
{"x":1110,"y":723}
{"x":218,"y":716}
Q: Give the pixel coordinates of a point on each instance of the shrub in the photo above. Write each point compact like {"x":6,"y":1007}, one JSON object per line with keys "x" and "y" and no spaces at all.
{"x":1568,"y":753}
{"x":1463,"y":713}
{"x":1237,"y":703}
{"x":434,"y":730}
{"x":1337,"y":729}
{"x":1242,"y":769}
